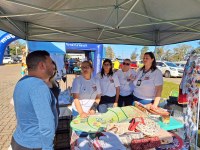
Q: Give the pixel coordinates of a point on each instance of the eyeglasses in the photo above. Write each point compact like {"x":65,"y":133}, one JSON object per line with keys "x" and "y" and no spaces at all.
{"x":85,"y":67}
{"x":106,"y":64}
{"x":127,"y":64}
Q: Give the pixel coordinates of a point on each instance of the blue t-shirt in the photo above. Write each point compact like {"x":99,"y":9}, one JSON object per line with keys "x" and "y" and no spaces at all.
{"x":36,"y":114}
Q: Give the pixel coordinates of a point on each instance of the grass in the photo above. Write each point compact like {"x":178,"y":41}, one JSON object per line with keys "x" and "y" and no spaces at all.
{"x":168,"y":87}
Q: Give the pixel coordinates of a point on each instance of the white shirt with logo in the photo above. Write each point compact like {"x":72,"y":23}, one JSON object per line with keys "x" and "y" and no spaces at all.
{"x":149,"y":81}
{"x":108,"y":84}
{"x":87,"y":90}
{"x":126,"y":86}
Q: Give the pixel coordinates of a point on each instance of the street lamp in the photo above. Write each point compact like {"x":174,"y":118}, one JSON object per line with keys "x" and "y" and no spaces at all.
{"x":16,"y":53}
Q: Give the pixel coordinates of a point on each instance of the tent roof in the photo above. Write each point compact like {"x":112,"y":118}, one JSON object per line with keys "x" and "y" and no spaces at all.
{"x":141,"y":22}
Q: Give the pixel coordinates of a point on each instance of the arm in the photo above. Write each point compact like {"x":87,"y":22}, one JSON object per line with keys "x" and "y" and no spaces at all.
{"x":133,"y":75}
{"x":157,"y":95}
{"x":93,"y":109}
{"x":97,"y":99}
{"x":158,"y":81}
{"x":41,"y":100}
{"x":117,"y":96}
{"x":76,"y":85}
{"x":78,"y":106}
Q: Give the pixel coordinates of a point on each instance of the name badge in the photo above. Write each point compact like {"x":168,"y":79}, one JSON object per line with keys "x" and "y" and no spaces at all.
{"x":146,"y":78}
{"x":139,"y":82}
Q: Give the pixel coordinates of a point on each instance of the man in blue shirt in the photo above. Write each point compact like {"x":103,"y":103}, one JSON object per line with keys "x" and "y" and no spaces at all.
{"x":35,"y":105}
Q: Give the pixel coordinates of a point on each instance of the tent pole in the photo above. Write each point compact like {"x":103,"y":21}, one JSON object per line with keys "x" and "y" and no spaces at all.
{"x":106,"y":23}
{"x":126,"y":15}
{"x":64,"y":32}
{"x":123,"y":35}
{"x":54,"y":33}
{"x":160,"y":20}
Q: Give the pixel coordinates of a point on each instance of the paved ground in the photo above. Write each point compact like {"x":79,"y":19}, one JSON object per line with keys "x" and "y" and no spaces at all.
{"x":9,"y":75}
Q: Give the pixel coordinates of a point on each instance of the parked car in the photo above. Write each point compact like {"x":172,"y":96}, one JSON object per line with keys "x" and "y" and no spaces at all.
{"x":7,"y":60}
{"x":17,"y":59}
{"x":170,"y":69}
{"x":181,"y":64}
{"x":133,"y":65}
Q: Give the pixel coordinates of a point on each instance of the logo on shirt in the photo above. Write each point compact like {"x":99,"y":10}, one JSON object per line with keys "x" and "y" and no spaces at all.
{"x":94,"y":88}
{"x":146,"y":78}
{"x":111,"y":80}
{"x":83,"y":89}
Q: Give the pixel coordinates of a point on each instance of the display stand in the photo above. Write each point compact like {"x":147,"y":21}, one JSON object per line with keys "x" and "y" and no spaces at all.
{"x":190,"y":85}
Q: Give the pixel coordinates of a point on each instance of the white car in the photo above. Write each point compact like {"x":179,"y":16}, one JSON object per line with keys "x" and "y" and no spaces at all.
{"x":181,"y":64}
{"x":7,"y":60}
{"x":169,"y":69}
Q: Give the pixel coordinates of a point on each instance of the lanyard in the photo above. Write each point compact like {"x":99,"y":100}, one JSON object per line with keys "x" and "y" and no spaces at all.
{"x":143,"y":73}
{"x":140,"y":80}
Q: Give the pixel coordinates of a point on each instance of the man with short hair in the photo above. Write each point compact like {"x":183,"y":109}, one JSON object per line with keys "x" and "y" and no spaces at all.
{"x":35,"y":106}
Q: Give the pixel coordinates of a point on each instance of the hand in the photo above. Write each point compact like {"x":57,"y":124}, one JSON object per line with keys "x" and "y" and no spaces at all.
{"x":153,"y":106}
{"x":148,"y":106}
{"x":132,"y":78}
{"x":115,"y":104}
{"x":83,"y":115}
{"x":91,"y":112}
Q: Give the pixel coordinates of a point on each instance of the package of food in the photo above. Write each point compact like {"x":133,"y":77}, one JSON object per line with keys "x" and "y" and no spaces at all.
{"x":159,"y":111}
{"x":145,"y":143}
{"x":166,"y":119}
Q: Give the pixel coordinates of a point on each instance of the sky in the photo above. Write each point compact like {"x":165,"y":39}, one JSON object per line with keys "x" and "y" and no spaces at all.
{"x":124,"y":51}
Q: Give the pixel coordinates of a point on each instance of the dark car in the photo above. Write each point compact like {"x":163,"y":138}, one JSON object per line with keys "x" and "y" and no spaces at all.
{"x":17,"y":59}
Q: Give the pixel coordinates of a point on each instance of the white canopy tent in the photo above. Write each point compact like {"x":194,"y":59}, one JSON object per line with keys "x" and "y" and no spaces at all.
{"x":141,"y":22}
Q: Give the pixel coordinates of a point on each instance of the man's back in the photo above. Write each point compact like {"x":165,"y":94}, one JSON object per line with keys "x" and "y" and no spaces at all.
{"x":35,"y":113}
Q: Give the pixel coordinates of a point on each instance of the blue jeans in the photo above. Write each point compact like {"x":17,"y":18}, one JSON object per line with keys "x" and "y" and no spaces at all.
{"x":103,"y":108}
{"x":74,"y":113}
{"x":142,"y":101}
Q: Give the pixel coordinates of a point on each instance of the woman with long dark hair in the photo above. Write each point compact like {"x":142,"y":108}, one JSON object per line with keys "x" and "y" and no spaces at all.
{"x":54,"y":86}
{"x":149,"y":82}
{"x":109,"y":84}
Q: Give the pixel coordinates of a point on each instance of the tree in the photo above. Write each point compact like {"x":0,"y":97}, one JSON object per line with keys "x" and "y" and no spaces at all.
{"x":167,"y":55}
{"x":143,"y":51}
{"x":109,"y":52}
{"x":180,"y":52}
{"x":159,"y":53}
{"x":134,"y":55}
{"x":16,"y":47}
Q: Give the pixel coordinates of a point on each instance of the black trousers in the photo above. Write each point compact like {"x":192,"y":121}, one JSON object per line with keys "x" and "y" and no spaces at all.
{"x":16,"y":146}
{"x":125,"y":100}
